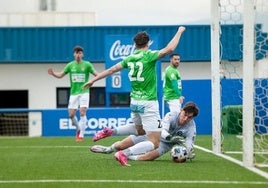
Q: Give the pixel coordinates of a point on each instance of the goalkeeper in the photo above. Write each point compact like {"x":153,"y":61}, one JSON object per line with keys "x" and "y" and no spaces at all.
{"x":179,"y":128}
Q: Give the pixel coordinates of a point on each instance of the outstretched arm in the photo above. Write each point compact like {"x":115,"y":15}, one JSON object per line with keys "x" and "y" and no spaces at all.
{"x":117,"y":67}
{"x":55,"y":74}
{"x":171,"y":46}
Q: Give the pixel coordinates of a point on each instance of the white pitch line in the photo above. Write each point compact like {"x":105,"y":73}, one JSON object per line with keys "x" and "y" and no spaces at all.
{"x":51,"y":147}
{"x":253,"y":169}
{"x":136,"y":181}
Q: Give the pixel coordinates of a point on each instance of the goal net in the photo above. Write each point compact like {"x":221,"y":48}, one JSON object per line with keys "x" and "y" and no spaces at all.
{"x":20,"y":122}
{"x":240,"y":80}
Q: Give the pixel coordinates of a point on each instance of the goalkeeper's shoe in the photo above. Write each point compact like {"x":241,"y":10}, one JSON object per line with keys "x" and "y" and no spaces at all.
{"x":121,"y":158}
{"x":176,"y":139}
{"x":106,"y":132}
{"x":101,"y":149}
{"x":77,"y":137}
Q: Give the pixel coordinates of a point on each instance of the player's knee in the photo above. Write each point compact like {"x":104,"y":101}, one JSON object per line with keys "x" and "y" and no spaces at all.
{"x":155,"y":139}
{"x":155,"y":142}
{"x":82,"y":111}
{"x":71,"y":113}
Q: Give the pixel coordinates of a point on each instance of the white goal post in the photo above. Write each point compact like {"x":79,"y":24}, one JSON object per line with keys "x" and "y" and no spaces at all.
{"x":215,"y":76}
{"x":248,"y":80}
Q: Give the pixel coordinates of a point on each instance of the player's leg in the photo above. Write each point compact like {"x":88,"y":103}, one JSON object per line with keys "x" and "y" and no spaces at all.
{"x":151,"y":122}
{"x":83,"y":103}
{"x":137,"y":149}
{"x":103,"y":149}
{"x":82,"y":122}
{"x":121,"y":130}
{"x":154,"y":154}
{"x":150,"y":119}
{"x":72,"y":108}
{"x":119,"y":145}
{"x":136,"y":129}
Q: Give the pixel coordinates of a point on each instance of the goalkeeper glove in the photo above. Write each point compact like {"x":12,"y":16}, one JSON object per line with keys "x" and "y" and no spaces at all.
{"x":175,"y":139}
{"x":191,"y":154}
{"x":168,"y":137}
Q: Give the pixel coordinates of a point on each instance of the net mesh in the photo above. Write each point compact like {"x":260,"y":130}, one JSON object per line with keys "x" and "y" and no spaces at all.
{"x":14,"y":124}
{"x":232,"y":80}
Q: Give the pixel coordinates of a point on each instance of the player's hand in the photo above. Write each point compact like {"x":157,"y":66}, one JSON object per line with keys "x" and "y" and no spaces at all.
{"x":177,"y":139}
{"x":191,"y":154}
{"x":181,"y":29}
{"x":50,"y":71}
{"x":88,"y":84}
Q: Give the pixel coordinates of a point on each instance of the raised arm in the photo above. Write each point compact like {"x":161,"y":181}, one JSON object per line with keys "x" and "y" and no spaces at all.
{"x":171,"y":46}
{"x":117,"y":67}
{"x":55,"y":74}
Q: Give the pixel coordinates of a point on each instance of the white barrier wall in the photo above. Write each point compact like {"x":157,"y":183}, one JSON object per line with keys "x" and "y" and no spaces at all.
{"x":42,"y":87}
{"x":48,"y":19}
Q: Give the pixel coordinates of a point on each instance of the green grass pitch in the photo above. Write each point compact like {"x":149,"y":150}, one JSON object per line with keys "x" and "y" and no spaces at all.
{"x":62,"y":162}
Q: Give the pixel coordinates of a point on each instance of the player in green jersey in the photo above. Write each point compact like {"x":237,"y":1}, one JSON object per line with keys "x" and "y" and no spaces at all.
{"x":172,"y":84}
{"x":144,"y":105}
{"x":79,"y":71}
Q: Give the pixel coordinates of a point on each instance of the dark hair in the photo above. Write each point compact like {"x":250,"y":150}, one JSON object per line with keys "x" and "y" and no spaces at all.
{"x":78,"y":49}
{"x":190,"y":107}
{"x":141,"y":39}
{"x":174,"y":54}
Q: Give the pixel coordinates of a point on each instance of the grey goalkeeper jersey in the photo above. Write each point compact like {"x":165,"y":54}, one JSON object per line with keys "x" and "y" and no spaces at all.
{"x":171,"y":127}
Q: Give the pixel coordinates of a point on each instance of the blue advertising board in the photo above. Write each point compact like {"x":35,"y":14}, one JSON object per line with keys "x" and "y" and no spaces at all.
{"x":57,"y":123}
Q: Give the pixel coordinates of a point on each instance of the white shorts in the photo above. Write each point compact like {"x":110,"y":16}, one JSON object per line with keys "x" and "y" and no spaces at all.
{"x":174,"y":105}
{"x":146,"y":113}
{"x":80,"y":100}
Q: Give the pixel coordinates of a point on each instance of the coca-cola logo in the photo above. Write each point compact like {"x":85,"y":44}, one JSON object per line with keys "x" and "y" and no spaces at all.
{"x":120,"y":51}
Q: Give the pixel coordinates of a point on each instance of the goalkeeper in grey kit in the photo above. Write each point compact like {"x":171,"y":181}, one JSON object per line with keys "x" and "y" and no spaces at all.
{"x":179,"y":128}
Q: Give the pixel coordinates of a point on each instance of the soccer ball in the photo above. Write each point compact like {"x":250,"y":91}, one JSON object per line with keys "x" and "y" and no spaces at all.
{"x":178,"y":154}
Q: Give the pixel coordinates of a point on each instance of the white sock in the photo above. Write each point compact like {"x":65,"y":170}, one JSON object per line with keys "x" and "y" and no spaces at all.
{"x":126,"y":130}
{"x":111,"y":149}
{"x":133,"y":157}
{"x":139,"y":148}
{"x":82,"y":125}
{"x":75,"y":122}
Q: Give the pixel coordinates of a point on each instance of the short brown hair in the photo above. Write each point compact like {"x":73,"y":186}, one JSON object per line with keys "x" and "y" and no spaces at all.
{"x":191,"y":107}
{"x":78,"y":49}
{"x":141,"y":39}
